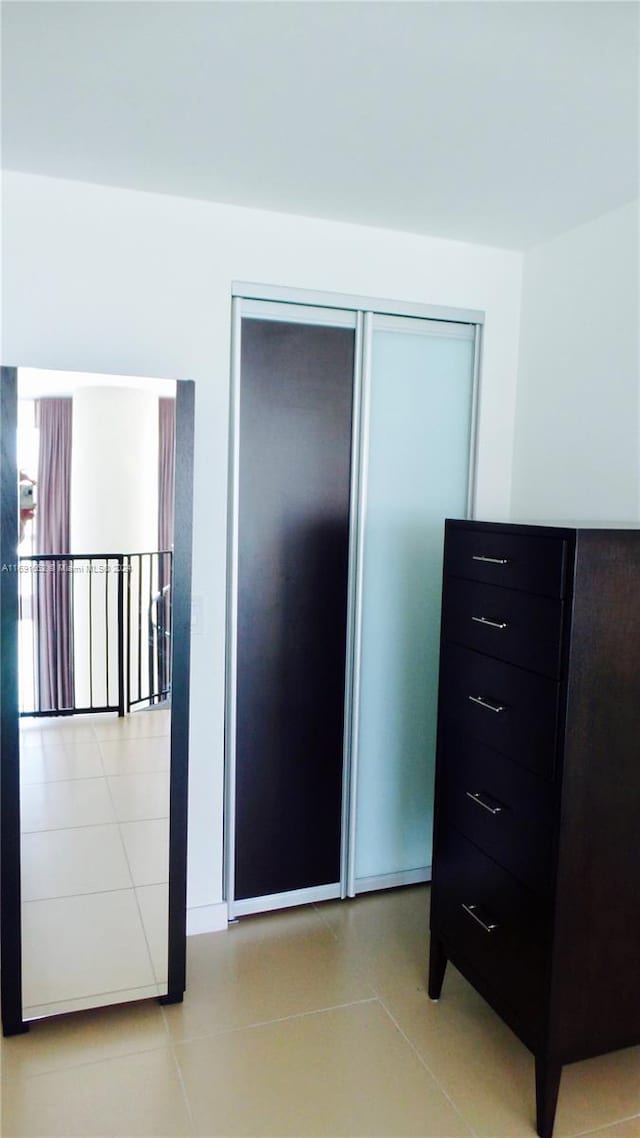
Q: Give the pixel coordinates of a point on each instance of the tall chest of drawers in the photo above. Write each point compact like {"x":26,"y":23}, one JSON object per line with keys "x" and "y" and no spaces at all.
{"x":536,"y":870}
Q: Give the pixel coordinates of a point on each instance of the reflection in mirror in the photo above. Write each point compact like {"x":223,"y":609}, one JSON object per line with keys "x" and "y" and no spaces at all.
{"x":96,"y":461}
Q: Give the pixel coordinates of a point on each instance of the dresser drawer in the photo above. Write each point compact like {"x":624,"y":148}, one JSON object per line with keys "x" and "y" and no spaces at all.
{"x":498,"y":805}
{"x":517,"y":561}
{"x":521,"y":628}
{"x":511,"y":710}
{"x":488,"y":919}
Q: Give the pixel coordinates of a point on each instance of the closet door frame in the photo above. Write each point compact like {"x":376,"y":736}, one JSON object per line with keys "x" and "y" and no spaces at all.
{"x":293,"y":313}
{"x":338,"y":310}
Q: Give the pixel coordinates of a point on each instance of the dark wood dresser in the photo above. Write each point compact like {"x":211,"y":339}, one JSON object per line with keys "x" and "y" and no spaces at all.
{"x":536,"y":871}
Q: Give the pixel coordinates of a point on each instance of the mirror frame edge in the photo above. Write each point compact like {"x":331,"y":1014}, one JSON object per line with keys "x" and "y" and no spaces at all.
{"x":10,"y":881}
{"x":180,"y":668}
{"x":10,"y":876}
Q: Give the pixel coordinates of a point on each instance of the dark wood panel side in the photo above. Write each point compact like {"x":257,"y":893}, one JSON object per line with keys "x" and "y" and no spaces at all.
{"x":596,"y":990}
{"x":180,"y":670}
{"x":295,"y":451}
{"x":10,"y":913}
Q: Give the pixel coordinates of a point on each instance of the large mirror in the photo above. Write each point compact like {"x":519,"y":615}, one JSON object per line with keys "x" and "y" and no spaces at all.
{"x":96,"y":536}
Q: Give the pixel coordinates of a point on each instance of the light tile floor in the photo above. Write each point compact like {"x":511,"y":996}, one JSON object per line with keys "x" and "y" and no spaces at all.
{"x":94,"y":821}
{"x":311,"y":1023}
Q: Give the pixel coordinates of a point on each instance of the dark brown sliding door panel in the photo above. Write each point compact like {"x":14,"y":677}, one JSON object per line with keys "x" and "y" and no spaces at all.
{"x":293,"y":535}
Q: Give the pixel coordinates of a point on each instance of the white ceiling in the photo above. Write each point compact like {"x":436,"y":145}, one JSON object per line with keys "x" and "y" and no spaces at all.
{"x":497,"y":122}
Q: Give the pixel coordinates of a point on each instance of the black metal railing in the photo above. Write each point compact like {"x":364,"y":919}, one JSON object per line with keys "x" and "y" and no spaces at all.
{"x":149,"y":625}
{"x":94,"y":632}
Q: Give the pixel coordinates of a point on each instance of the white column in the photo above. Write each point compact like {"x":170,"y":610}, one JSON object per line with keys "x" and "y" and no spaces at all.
{"x":114,"y":509}
{"x":114,"y":470}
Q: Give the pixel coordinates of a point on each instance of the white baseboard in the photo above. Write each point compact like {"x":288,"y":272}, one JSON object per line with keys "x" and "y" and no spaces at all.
{"x":215,"y":918}
{"x":390,"y":880}
{"x":266,"y":904}
{"x":207,"y":919}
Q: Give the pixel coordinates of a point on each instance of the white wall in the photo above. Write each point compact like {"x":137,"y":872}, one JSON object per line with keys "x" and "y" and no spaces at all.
{"x":576,"y":438}
{"x":109,"y":280}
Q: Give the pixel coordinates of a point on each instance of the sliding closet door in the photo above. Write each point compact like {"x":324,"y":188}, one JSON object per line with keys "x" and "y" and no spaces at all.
{"x":418,"y":410}
{"x":294,"y":426}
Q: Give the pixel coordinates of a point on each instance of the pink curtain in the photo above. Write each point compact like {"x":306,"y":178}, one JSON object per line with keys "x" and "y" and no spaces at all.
{"x":54,"y":600}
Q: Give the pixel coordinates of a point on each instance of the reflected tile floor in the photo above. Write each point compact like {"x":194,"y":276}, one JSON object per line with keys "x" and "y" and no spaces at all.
{"x":94,"y":822}
{"x":311,"y":1023}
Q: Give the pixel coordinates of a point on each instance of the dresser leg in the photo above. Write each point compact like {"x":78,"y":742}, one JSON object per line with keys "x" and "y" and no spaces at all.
{"x":437,"y":967}
{"x":548,"y":1074}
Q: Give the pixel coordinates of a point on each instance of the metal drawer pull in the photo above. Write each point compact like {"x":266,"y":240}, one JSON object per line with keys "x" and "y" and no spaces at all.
{"x":497,"y":707}
{"x":477,"y":797}
{"x":485,"y":923}
{"x":491,"y":560}
{"x":500,"y":624}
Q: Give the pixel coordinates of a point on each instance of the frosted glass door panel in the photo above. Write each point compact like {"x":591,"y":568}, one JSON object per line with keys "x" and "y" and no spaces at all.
{"x":419,"y":419}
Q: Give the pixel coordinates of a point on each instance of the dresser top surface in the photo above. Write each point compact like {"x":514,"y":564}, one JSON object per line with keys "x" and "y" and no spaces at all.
{"x":550,"y":529}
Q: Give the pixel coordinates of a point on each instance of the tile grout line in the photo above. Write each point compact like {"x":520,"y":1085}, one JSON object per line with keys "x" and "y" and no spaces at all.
{"x":104,"y":769}
{"x":136,"y":898}
{"x":183,"y":1088}
{"x":87,"y":893}
{"x":61,"y":829}
{"x":105,"y":780}
{"x":168,"y":1042}
{"x":607,"y":1126}
{"x":427,"y":1068}
{"x":158,"y":983}
{"x":90,"y":825}
{"x":120,"y":823}
{"x":94,"y":1062}
{"x":364,"y":971}
{"x":130,"y":888}
{"x":50,"y":1009}
{"x":82,"y":778}
{"x":215,"y":1034}
{"x":327,"y":924}
{"x":90,"y":996}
